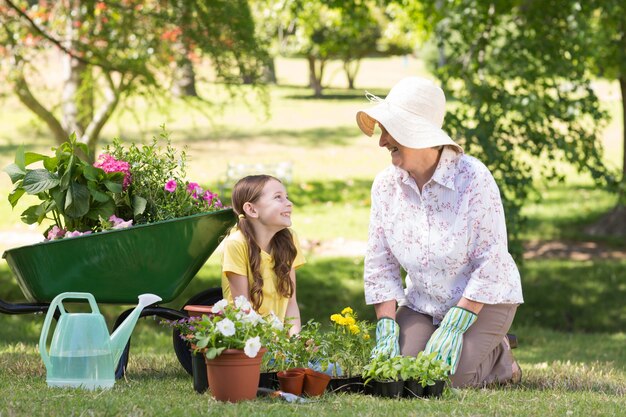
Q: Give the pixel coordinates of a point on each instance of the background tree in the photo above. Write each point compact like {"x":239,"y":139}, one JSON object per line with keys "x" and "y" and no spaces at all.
{"x":521,"y":90}
{"x":114,"y":49}
{"x":332,"y":29}
{"x":608,"y":35}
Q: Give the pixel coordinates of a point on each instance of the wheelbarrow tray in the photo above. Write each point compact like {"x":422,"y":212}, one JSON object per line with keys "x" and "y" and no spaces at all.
{"x":118,"y":265}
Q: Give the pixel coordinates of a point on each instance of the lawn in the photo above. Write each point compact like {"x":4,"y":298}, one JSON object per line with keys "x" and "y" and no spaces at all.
{"x":571,"y":328}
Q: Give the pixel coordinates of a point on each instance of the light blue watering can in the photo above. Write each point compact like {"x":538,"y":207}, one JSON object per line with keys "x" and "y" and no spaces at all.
{"x":82,"y":354}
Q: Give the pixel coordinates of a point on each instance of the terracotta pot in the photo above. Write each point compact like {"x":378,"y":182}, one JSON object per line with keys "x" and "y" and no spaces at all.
{"x":233,"y":376}
{"x":291,"y":381}
{"x":315,"y":383}
{"x":198,"y":310}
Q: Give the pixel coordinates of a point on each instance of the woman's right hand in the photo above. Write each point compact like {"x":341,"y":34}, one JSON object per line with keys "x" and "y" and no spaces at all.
{"x":387,"y":339}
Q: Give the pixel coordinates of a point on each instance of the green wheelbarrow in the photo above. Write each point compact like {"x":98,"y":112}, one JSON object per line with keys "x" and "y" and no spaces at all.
{"x":116,"y":266}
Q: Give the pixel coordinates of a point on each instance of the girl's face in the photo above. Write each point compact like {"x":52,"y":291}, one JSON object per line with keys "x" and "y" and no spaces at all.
{"x":273,"y":208}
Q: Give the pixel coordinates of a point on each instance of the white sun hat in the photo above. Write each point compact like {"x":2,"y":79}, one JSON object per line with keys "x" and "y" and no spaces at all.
{"x":412,"y":113}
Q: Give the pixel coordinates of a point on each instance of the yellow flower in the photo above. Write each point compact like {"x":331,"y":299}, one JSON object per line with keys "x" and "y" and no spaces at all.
{"x":366,"y":336}
{"x":337,"y":318}
{"x":354,"y":329}
{"x":349,"y":321}
{"x":347,"y":310}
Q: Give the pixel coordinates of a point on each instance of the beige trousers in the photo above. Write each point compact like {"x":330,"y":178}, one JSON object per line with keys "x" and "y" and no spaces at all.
{"x":485,"y":357}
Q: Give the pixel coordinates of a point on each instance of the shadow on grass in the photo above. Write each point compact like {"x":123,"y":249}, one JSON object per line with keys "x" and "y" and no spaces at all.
{"x":574,"y":296}
{"x":558,"y":216}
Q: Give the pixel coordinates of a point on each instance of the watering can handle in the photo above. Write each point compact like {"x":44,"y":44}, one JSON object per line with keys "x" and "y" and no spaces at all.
{"x":56,"y":303}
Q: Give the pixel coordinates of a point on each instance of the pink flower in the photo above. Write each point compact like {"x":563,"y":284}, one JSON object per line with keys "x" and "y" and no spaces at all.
{"x":77,"y":233}
{"x":109,"y":164}
{"x":56,"y":233}
{"x":209,"y":196}
{"x":194,"y":189}
{"x":170,"y":186}
{"x":119,"y":223}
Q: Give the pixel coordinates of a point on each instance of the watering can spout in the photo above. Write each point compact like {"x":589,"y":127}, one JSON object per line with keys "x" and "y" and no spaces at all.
{"x":121,"y":335}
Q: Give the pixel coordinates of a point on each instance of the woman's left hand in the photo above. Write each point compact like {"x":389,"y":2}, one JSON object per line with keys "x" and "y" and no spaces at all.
{"x":447,"y":340}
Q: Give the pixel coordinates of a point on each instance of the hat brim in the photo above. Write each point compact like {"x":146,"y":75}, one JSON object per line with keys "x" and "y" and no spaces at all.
{"x":405,"y":127}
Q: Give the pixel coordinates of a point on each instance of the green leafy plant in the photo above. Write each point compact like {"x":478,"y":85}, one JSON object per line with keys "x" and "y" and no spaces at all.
{"x":298,"y":351}
{"x":423,"y":368}
{"x":124,"y":186}
{"x":384,"y":369}
{"x":74,"y":194}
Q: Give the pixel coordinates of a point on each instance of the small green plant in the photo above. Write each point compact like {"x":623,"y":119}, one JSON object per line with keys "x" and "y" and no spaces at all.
{"x":384,"y":369}
{"x":423,"y":368}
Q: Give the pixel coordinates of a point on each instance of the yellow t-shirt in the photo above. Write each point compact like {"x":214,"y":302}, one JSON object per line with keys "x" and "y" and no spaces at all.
{"x":235,"y":260}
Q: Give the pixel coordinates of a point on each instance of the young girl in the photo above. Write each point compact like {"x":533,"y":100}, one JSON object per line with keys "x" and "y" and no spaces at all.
{"x":261,"y":254}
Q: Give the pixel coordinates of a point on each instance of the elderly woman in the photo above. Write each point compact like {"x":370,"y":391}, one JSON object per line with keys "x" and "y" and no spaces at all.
{"x":437,"y":214}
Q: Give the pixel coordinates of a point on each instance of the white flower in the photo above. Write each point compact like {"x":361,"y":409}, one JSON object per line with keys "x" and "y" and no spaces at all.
{"x":275,"y":322}
{"x":242,"y":303}
{"x":226,"y":327}
{"x":253,"y":345}
{"x":219,"y":306}
{"x":252,"y":317}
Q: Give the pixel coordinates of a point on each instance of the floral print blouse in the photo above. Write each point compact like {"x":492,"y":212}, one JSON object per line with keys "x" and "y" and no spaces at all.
{"x":450,"y":239}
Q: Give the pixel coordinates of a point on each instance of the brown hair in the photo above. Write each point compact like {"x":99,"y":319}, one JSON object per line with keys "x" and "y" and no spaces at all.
{"x":282,"y":246}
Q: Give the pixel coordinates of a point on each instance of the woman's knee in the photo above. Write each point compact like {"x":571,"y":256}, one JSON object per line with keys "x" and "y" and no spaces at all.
{"x":415,"y":330}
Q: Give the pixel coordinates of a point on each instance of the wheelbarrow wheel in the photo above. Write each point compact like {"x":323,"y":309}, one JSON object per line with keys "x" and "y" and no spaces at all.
{"x":205,"y":298}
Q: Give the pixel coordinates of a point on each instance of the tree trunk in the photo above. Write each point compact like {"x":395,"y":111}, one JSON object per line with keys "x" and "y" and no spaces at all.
{"x":315,"y":75}
{"x":613,"y":223}
{"x":351,"y":71}
{"x":185,"y":77}
{"x":622,"y":84}
{"x":77,"y":96}
{"x":269,"y":72}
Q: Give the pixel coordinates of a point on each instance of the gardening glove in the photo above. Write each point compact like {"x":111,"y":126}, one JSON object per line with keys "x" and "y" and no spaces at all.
{"x":387,"y":336}
{"x":447,"y":340}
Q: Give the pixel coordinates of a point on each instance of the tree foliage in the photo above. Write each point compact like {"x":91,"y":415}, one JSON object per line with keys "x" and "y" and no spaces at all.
{"x":113,"y":49}
{"x":331,"y":29}
{"x":517,"y":76}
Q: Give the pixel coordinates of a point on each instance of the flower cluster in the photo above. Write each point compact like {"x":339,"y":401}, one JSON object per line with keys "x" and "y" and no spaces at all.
{"x":196,"y":192}
{"x":109,"y":164}
{"x":347,"y":319}
{"x":229,"y":326}
{"x":348,"y":344}
{"x":158,"y":182}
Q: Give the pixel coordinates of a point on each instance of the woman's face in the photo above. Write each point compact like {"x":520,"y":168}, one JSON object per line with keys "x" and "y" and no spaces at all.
{"x":401,"y":156}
